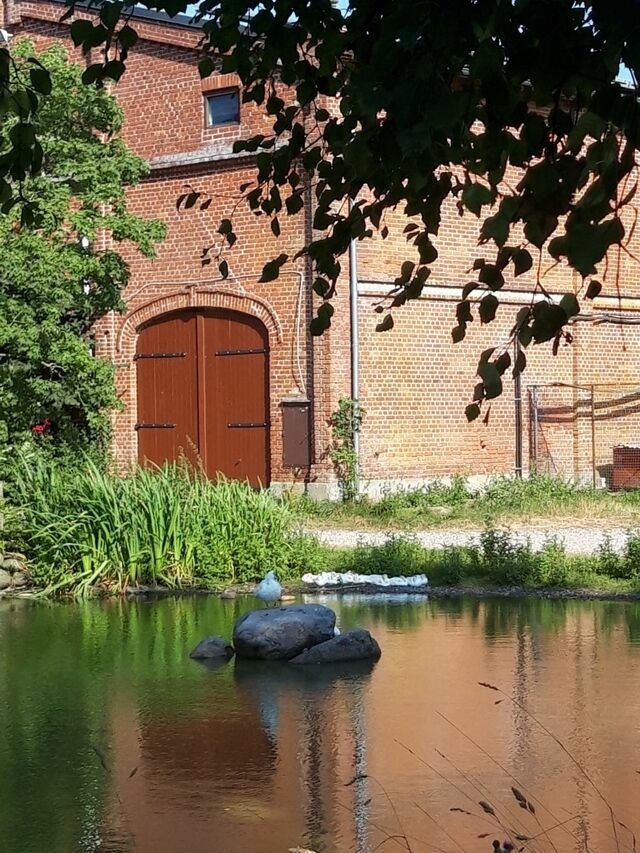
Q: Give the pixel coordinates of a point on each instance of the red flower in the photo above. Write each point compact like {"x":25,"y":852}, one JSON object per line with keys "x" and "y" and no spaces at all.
{"x":40,"y":429}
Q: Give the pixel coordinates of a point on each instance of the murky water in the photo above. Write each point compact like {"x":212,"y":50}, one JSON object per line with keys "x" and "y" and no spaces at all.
{"x":111,"y":739}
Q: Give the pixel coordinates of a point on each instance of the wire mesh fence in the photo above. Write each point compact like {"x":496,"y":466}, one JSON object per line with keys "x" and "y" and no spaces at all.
{"x":586,"y":433}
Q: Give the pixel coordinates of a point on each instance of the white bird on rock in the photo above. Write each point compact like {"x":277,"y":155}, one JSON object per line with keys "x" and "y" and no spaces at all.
{"x":268,"y":590}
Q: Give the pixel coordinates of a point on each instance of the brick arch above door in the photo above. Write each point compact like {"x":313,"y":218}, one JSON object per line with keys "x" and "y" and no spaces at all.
{"x":204,"y":297}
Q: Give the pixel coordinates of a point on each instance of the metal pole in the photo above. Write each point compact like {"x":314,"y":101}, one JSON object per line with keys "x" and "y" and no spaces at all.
{"x":534,"y":427}
{"x":593,"y":437}
{"x":355,"y":350}
{"x":517,"y":399}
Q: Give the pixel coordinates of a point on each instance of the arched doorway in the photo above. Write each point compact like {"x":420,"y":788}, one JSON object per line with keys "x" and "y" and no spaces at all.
{"x":203,"y":391}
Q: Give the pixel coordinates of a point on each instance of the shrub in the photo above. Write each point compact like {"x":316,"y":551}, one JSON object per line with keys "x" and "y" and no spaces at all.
{"x":449,"y":566}
{"x":503,"y":560}
{"x":608,"y":562}
{"x":345,"y":422}
{"x":632,"y":554}
{"x":398,"y":555}
{"x":551,"y":565}
{"x":527,"y":495}
{"x":454,"y":494}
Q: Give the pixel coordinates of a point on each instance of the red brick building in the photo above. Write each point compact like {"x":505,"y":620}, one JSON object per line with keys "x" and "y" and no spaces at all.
{"x":227,"y":369}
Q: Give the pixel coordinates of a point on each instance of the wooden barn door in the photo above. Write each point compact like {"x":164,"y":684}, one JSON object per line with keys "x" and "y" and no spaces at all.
{"x":203,"y":391}
{"x":166,"y":362}
{"x":234,"y":399}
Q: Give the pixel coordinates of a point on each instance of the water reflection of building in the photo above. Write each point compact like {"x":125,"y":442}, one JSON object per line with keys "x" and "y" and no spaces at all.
{"x":268,"y":776}
{"x":273,"y":772}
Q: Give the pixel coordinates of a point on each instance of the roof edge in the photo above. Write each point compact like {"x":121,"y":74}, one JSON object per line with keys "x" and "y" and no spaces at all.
{"x":137,"y":12}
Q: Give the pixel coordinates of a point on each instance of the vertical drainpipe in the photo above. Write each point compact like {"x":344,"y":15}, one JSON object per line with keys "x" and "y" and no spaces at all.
{"x":517,"y":399}
{"x":355,"y":349}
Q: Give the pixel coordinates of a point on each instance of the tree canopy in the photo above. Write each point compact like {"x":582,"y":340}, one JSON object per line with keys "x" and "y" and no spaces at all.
{"x":57,"y":274}
{"x":394,"y":104}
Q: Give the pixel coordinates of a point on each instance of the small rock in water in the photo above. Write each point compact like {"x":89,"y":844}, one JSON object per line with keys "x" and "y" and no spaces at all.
{"x":212,"y":647}
{"x":285,"y":598}
{"x":350,"y":646}
{"x":229,"y":594}
{"x":20,"y":579}
{"x":5,"y":579}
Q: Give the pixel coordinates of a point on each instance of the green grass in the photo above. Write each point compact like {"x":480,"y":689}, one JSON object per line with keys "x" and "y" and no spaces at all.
{"x":498,"y":559}
{"x":84,"y":530}
{"x":505,"y":499}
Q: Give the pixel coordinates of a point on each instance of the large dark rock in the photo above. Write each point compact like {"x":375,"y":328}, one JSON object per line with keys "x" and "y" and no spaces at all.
{"x":212,"y":648}
{"x":350,"y":646}
{"x":281,"y":634}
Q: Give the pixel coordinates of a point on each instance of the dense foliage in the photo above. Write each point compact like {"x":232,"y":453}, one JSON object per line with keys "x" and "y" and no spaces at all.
{"x":60,"y":273}
{"x":84,"y":530}
{"x":510,"y":108}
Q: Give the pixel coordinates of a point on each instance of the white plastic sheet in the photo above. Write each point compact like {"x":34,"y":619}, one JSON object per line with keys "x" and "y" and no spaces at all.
{"x":353,"y":578}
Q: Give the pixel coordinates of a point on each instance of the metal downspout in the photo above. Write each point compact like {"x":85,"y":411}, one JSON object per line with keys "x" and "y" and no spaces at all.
{"x":517,"y":399}
{"x":355,"y":350}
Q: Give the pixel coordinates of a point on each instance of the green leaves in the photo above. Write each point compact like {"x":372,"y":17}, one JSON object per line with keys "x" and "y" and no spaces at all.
{"x":51,"y":291}
{"x":570,"y":305}
{"x":472,"y":412}
{"x":40,"y":80}
{"x":322,"y":321}
{"x":585,"y":244}
{"x":385,"y":324}
{"x":488,"y":307}
{"x":474,"y":196}
{"x":81,"y":31}
{"x":522,"y":262}
{"x":593,"y":289}
{"x":535,"y":134}
{"x":271,"y":269}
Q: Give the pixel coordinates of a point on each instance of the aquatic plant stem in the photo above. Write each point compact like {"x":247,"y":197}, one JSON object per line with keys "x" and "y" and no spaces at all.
{"x":518,"y":704}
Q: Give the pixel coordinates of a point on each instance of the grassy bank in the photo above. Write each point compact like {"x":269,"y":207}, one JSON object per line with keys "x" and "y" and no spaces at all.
{"x":85,"y":530}
{"x":498,"y":560}
{"x":504,"y":500}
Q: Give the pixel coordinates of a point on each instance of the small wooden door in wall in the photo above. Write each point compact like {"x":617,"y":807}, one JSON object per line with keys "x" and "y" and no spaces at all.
{"x":203,"y":391}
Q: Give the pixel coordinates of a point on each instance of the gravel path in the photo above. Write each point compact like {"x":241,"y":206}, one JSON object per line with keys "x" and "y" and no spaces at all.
{"x":577,"y":540}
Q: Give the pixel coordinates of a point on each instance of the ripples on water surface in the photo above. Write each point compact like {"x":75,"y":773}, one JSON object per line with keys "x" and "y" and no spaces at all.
{"x":111,"y":739}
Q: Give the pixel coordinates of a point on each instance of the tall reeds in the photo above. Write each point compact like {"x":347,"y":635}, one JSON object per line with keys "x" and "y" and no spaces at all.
{"x":83,"y":528}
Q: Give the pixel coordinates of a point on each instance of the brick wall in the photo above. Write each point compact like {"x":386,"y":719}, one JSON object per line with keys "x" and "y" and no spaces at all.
{"x":414,"y":382}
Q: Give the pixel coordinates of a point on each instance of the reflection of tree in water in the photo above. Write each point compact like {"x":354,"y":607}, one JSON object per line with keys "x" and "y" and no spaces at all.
{"x":393,"y":610}
{"x":312,"y":777}
{"x":54,"y":714}
{"x":325,"y":697}
{"x":522,"y":722}
{"x":355,"y":694}
{"x":581,"y":745}
{"x":402,"y":611}
{"x":534,"y":621}
{"x":503,"y":616}
{"x":615,"y":614}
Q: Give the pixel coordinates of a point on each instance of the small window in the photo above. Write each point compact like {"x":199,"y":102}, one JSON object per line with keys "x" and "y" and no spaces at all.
{"x":223,"y":107}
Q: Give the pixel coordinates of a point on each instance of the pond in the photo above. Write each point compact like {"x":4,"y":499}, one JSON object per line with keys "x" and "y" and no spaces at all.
{"x":112,"y":739}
